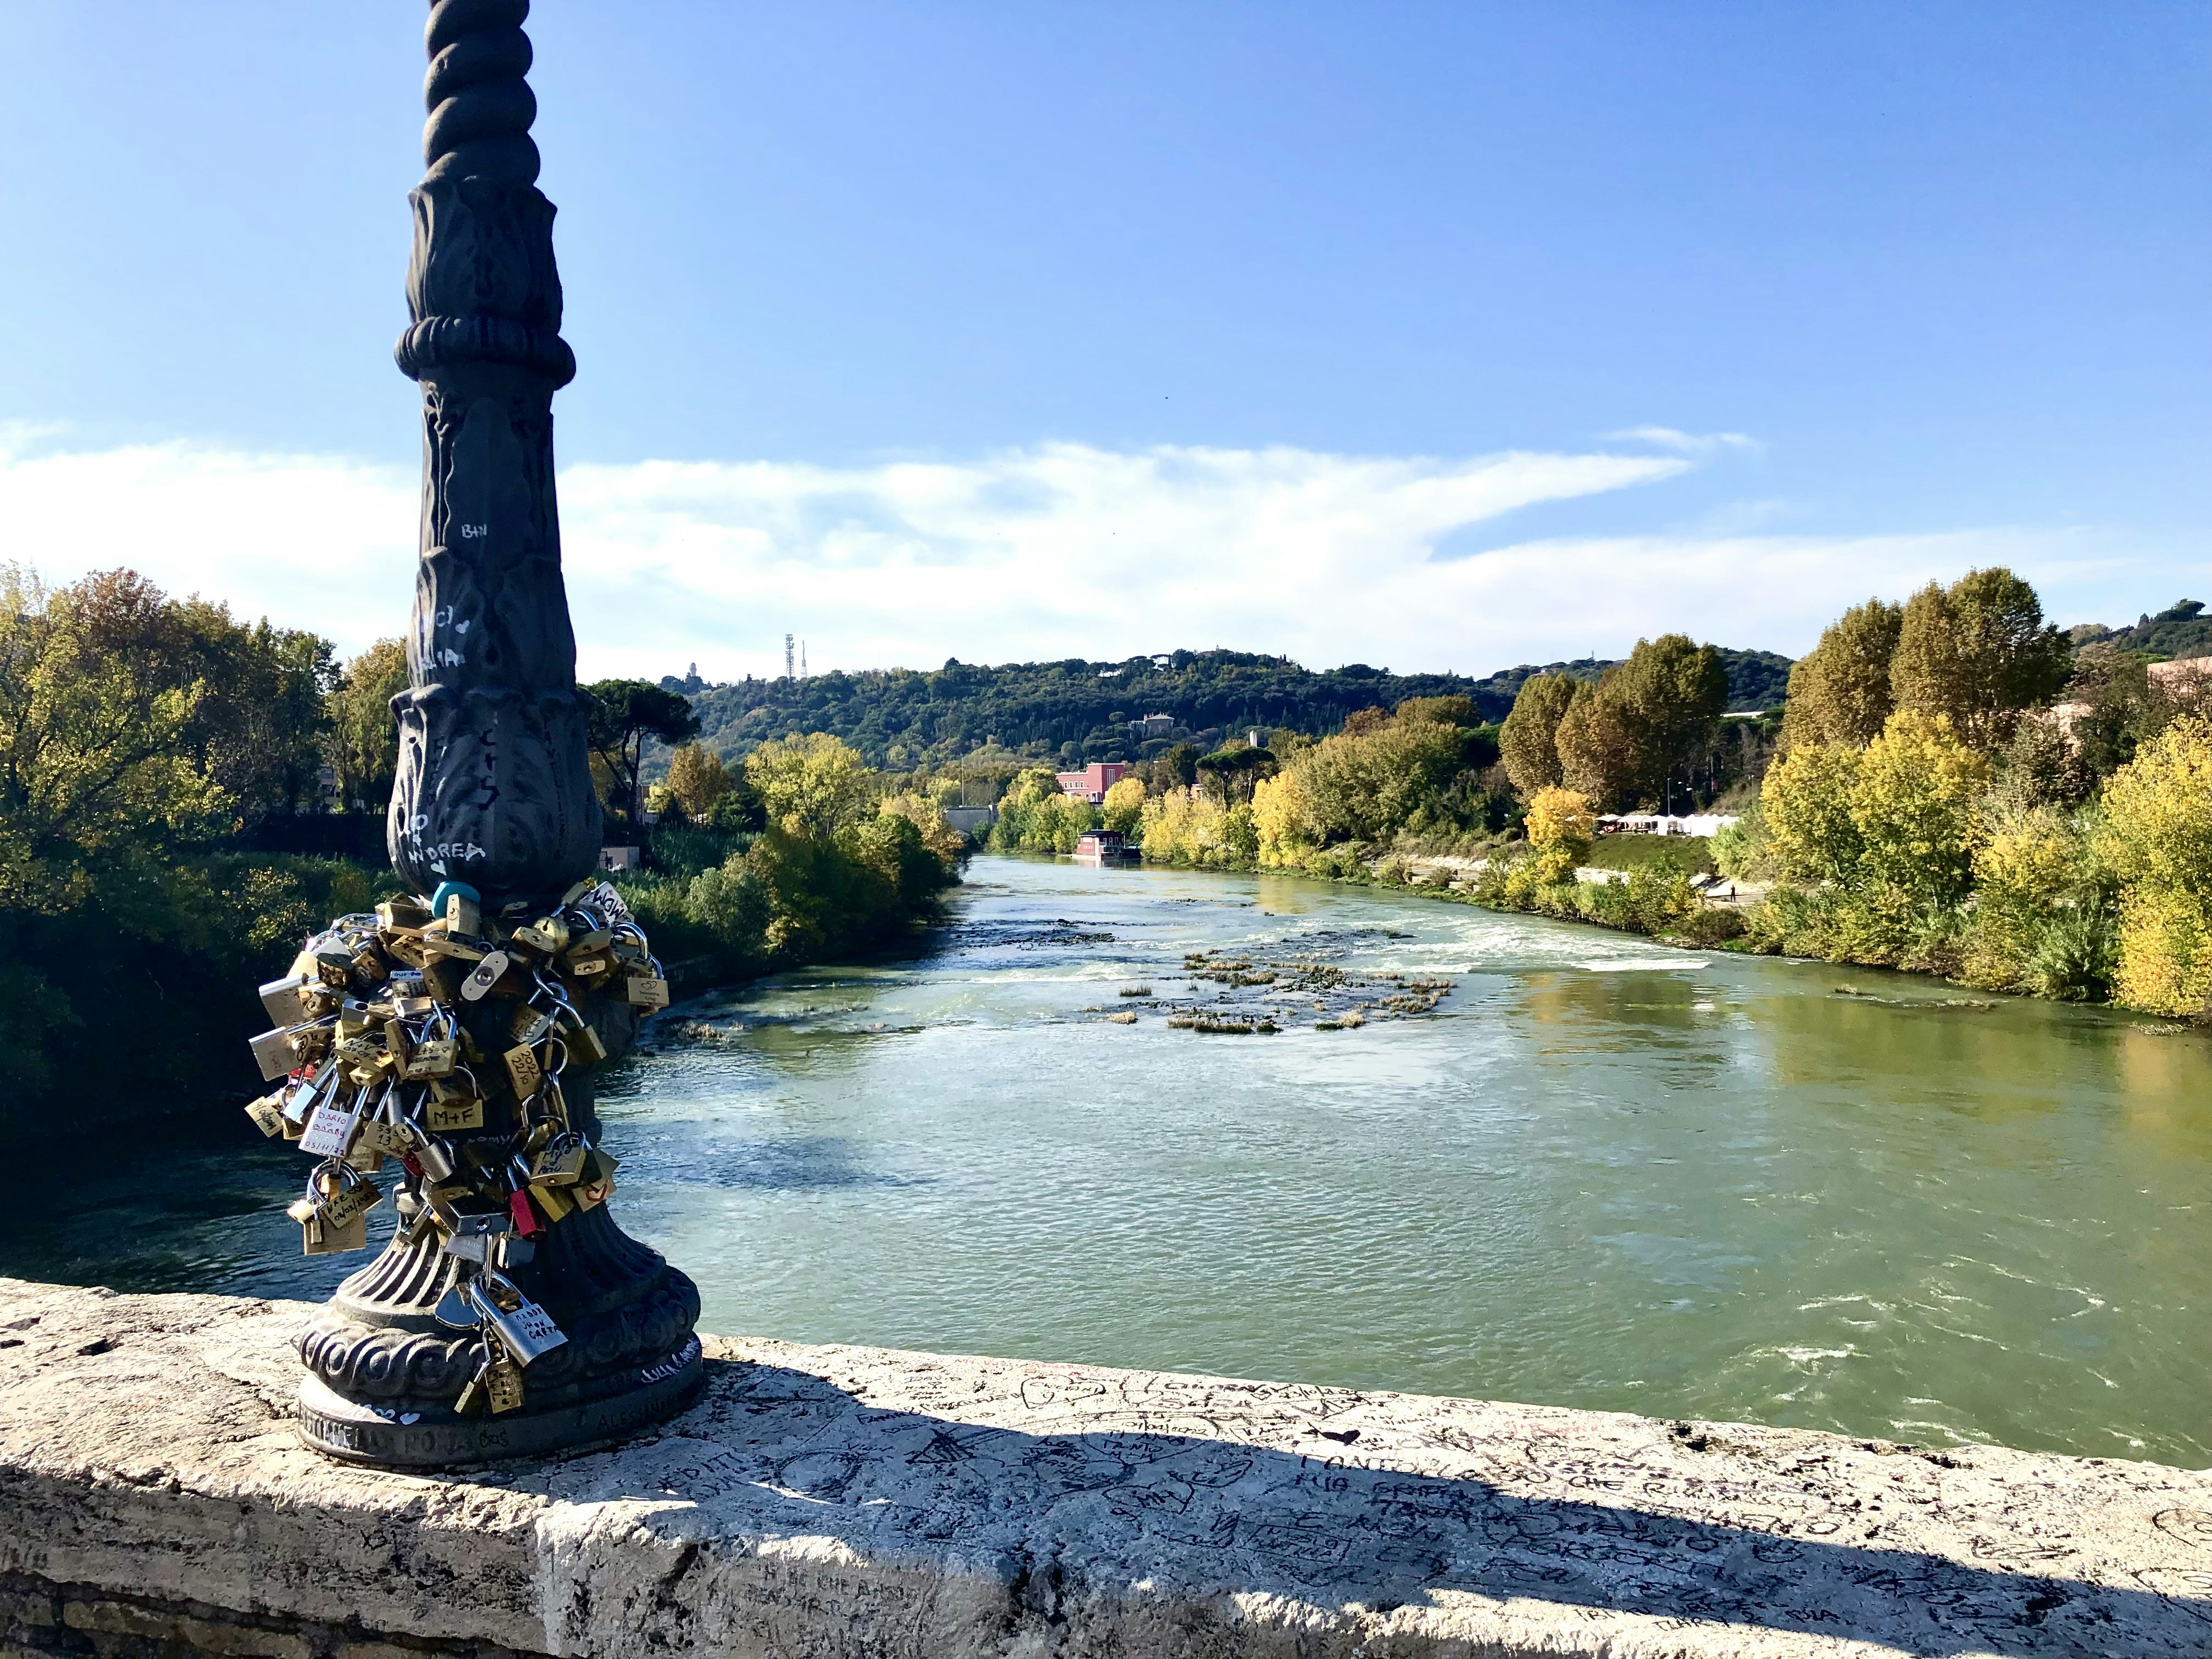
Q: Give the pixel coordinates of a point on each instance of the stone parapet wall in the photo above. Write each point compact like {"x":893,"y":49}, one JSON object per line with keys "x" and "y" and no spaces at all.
{"x":823,"y":1502}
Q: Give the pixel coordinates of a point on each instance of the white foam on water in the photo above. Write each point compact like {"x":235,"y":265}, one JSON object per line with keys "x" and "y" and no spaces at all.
{"x":1641,"y":964}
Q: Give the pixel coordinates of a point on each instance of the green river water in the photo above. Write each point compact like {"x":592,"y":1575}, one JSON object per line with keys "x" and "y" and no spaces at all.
{"x":1603,"y":1173}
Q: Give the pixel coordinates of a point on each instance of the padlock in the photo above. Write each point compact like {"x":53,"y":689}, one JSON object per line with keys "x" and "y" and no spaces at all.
{"x":545,"y":939}
{"x":476,"y":1238}
{"x":281,"y":997}
{"x":577,"y":892}
{"x":486,"y":976}
{"x":561,"y":1163}
{"x":527,"y":1220}
{"x":474,"y":1393}
{"x":429,"y":1153}
{"x":529,"y":1023}
{"x":402,"y":914}
{"x":525,"y":1330}
{"x":503,"y":1385}
{"x":463,"y":917}
{"x":268,"y":1113}
{"x":332,"y":1214}
{"x":523,"y":1070}
{"x":272,"y":1052}
{"x":330,"y":1130}
{"x":442,"y":979}
{"x":334,"y":966}
{"x":553,"y":1204}
{"x":645,"y":991}
{"x":454,"y":1114}
{"x":583,"y":1042}
{"x":445,"y":947}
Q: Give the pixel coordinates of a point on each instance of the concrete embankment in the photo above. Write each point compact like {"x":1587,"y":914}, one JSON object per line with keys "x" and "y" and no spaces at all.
{"x":838,"y":1501}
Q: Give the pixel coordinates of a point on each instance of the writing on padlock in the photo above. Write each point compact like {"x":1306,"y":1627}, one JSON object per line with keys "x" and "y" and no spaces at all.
{"x":525,"y":1329}
{"x":333,"y":1215}
{"x":330,"y":1130}
{"x":523,"y":1070}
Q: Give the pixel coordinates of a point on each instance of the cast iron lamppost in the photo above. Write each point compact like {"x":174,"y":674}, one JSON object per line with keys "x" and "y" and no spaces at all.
{"x":509,"y":1315}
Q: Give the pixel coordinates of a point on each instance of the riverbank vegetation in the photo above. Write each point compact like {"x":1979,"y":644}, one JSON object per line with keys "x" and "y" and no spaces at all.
{"x":1953,"y":786}
{"x":1963,"y":791}
{"x":183,"y":797}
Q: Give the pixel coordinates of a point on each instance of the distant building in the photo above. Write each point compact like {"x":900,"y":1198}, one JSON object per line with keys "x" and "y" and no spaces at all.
{"x":1154,"y":725}
{"x":972,"y":821}
{"x":1663,"y":824}
{"x":1256,"y":738}
{"x":1101,"y":846}
{"x":1092,"y":782}
{"x":619,"y":858}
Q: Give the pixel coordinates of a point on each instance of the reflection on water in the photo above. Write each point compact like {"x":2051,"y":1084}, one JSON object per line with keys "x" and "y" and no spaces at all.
{"x":1604,"y":1174}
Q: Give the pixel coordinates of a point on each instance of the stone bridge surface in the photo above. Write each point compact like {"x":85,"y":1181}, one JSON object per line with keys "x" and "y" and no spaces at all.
{"x":821,"y":1502}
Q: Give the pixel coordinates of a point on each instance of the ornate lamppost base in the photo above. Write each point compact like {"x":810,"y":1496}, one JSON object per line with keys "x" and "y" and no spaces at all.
{"x":436,"y":1438}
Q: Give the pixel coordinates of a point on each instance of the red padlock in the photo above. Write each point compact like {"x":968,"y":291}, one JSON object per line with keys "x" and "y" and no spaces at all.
{"x":525,"y":1215}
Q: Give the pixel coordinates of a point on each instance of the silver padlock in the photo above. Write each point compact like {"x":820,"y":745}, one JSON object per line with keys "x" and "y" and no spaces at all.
{"x":525,"y":1329}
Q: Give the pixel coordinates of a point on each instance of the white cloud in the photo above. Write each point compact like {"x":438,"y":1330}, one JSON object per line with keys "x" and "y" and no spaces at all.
{"x":1053,"y":552}
{"x":1703,"y":445}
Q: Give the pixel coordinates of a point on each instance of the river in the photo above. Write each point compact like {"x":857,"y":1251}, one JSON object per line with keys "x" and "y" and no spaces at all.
{"x":1601,"y":1173}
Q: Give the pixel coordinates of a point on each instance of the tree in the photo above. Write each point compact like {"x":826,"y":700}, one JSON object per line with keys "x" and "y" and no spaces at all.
{"x":94,"y":771}
{"x":1232,"y":773}
{"x":811,"y":787}
{"x":257,"y":720}
{"x":2156,"y":838}
{"x":1839,"y":691}
{"x":1912,"y":804}
{"x":1125,"y":806}
{"x":1175,"y":768}
{"x":1805,"y":800}
{"x":1979,"y":653}
{"x":697,"y":778}
{"x":1530,"y":739}
{"x":362,"y":739}
{"x":1674,"y":690}
{"x":1599,"y":748}
{"x":624,"y":714}
{"x":1561,"y":829}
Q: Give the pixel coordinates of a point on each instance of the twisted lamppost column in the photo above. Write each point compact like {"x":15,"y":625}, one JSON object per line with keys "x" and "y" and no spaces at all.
{"x":458,"y":1030}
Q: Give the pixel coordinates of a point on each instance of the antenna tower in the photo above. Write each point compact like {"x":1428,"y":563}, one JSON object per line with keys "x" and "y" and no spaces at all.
{"x":787,"y":674}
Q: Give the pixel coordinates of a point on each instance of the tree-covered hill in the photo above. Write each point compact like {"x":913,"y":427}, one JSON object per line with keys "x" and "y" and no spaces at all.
{"x":2180,"y":630}
{"x":1090,"y":711}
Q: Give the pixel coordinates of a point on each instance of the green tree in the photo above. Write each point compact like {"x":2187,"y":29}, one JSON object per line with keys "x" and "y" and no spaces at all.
{"x":361,"y":739}
{"x":1528,"y":742}
{"x":1601,"y":749}
{"x":1979,"y":653}
{"x":257,"y":720}
{"x":624,"y":714}
{"x":1839,"y":691}
{"x":1176,"y":768}
{"x":1674,"y":690}
{"x":97,"y":776}
{"x":811,"y":787}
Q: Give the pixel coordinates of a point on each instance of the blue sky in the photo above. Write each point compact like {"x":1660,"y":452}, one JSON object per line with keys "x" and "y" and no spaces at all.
{"x":1437,"y":336}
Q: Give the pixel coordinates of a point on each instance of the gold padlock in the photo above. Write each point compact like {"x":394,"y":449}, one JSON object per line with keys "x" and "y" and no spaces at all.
{"x":503,"y":1385}
{"x":268,"y":1115}
{"x":523,"y":1070}
{"x":645,"y":991}
{"x":452,"y":1116}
